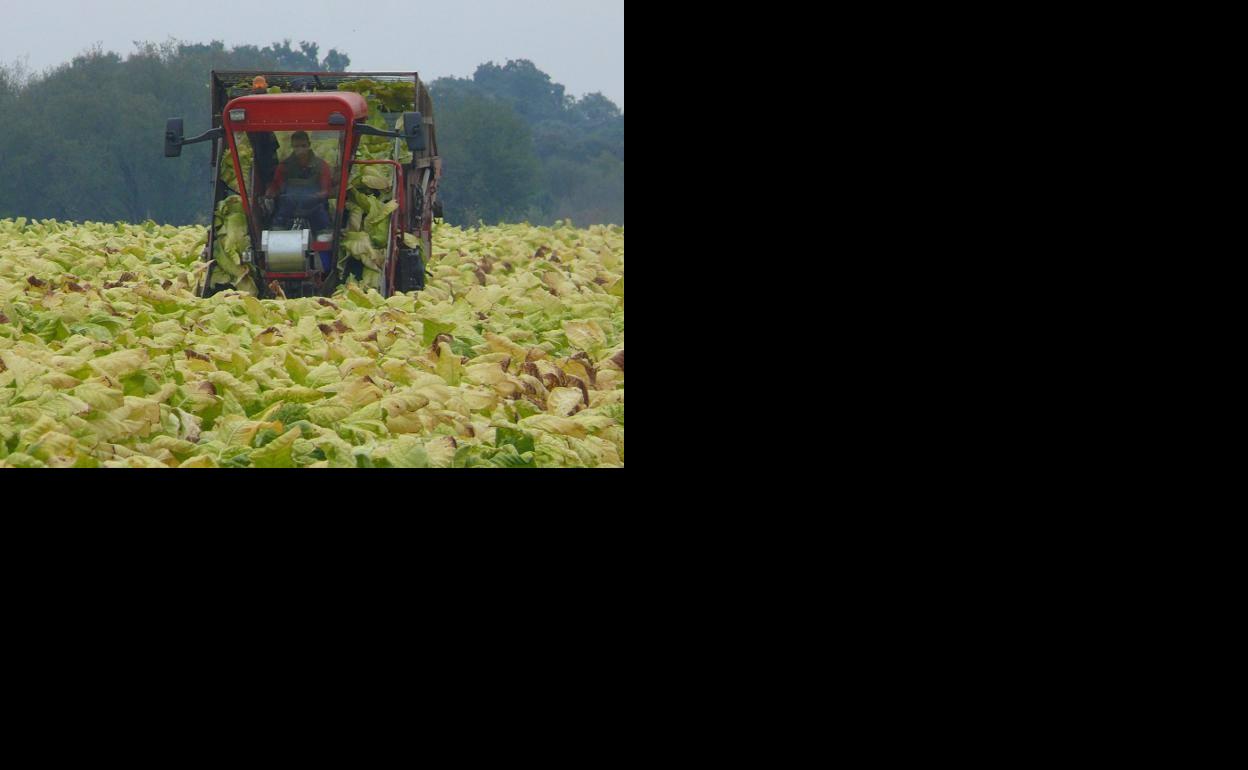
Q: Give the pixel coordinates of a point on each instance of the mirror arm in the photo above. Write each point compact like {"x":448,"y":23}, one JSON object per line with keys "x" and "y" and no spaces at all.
{"x":212,"y":133}
{"x":364,"y":128}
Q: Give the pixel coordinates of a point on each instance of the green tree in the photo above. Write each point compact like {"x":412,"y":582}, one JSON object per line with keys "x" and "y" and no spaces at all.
{"x":529,"y":91}
{"x":336,"y":62}
{"x":490,"y":170}
{"x":579,"y":143}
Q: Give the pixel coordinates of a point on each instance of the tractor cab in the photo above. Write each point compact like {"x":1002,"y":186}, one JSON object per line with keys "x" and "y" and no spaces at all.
{"x":283,"y":171}
{"x":287,"y":151}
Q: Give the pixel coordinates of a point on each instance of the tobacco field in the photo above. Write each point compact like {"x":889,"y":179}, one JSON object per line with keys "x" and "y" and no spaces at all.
{"x":513,"y":356}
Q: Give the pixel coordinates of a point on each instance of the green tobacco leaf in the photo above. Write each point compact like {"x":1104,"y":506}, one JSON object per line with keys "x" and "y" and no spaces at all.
{"x":522,"y":441}
{"x":289,"y":414}
{"x":432,"y":328}
{"x":277,"y":453}
{"x":407,"y":452}
{"x":509,"y":457}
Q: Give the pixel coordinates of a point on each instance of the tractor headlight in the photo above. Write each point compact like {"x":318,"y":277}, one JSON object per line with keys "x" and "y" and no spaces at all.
{"x":238,"y":116}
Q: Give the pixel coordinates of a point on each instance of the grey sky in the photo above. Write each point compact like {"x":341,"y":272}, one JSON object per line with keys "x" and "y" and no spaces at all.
{"x":579,"y":43}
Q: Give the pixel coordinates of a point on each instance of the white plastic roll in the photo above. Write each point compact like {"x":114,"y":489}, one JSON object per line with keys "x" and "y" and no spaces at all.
{"x":284,"y":250}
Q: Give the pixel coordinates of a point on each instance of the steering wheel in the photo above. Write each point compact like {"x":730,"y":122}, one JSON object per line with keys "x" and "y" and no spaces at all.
{"x":305,"y":202}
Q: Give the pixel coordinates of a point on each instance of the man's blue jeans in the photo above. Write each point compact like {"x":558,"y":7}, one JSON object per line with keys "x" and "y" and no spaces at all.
{"x":318,"y":217}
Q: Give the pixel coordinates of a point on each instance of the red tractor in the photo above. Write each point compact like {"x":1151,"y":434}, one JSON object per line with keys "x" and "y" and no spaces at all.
{"x":288,"y":145}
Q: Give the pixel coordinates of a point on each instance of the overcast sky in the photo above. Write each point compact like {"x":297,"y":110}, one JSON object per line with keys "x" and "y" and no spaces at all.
{"x":579,"y":43}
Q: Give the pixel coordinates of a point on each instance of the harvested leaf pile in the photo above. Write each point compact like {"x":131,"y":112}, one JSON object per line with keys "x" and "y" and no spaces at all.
{"x":512,"y":357}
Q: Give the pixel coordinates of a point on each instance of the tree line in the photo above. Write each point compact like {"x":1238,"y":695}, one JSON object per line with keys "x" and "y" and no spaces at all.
{"x":83,"y":141}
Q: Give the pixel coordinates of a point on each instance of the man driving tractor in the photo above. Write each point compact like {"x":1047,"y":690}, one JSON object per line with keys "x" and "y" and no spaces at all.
{"x":302,"y":183}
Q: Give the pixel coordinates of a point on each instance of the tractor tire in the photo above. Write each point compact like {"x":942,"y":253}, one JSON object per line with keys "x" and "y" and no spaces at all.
{"x":411,"y":271}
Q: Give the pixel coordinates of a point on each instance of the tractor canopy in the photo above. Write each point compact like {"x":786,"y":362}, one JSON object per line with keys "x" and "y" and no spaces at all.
{"x":307,"y":111}
{"x":264,"y":133}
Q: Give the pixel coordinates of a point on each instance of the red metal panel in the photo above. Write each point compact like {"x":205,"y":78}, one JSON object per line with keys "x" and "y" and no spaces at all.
{"x":294,"y":112}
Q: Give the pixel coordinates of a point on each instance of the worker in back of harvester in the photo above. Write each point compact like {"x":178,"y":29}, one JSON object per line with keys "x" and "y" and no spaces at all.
{"x":302,"y":183}
{"x":263,"y":143}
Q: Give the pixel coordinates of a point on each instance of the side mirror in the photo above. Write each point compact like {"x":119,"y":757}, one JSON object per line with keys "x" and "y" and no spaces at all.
{"x":173,"y":137}
{"x":414,"y":131}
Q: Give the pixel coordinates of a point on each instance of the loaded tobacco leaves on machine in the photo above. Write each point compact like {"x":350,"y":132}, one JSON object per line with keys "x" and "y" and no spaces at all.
{"x":232,"y":238}
{"x":370,"y":196}
{"x":231,"y":241}
{"x":392,"y":97}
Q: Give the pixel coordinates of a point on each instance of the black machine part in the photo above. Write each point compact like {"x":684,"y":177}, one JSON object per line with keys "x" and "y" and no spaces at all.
{"x":413,"y":131}
{"x":411,"y":271}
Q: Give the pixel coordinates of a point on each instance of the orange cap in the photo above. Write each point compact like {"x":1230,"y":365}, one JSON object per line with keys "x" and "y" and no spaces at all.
{"x":259,"y":82}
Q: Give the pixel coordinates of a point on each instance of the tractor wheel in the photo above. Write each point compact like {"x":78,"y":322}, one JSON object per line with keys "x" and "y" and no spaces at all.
{"x":410,"y":272}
